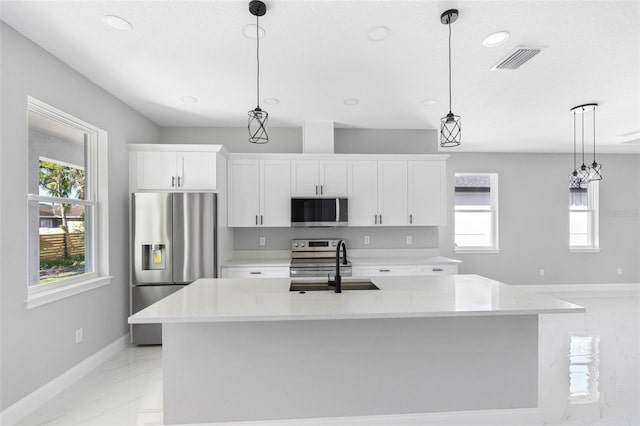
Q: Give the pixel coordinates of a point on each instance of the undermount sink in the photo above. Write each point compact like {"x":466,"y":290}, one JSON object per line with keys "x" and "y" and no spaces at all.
{"x":304,"y":286}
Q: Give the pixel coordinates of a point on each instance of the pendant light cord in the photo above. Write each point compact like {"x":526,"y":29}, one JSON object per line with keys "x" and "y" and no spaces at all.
{"x":594,"y":135}
{"x":583,"y":136}
{"x":449,"y":25}
{"x":575,"y":163}
{"x":257,"y":62}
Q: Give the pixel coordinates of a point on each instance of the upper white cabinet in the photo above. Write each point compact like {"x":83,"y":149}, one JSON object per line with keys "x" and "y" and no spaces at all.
{"x":377,"y":193}
{"x":311,"y":178}
{"x":174,"y":167}
{"x":259,"y":193}
{"x":396,"y":193}
{"x":426,"y":200}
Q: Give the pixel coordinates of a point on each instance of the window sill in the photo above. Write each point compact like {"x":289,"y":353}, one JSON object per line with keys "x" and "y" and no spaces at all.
{"x":43,"y":297}
{"x":584,"y":250}
{"x":476,"y":250}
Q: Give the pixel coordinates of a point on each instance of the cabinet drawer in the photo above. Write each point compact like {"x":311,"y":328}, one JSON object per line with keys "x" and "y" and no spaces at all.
{"x":382,"y":270}
{"x":437,"y":269}
{"x":259,"y":272}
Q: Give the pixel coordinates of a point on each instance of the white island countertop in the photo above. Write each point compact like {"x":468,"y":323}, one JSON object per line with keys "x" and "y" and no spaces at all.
{"x":269,"y":299}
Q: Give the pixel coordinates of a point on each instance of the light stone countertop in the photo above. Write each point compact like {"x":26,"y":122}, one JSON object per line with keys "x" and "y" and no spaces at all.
{"x":258,"y":261}
{"x":404,"y":260}
{"x":269,"y":299}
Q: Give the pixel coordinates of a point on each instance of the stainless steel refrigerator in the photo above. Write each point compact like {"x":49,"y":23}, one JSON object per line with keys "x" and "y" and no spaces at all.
{"x":173,"y":243}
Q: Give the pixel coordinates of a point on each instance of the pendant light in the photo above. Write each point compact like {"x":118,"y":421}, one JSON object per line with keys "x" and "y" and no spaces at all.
{"x":450,"y":125}
{"x":258,"y":117}
{"x":594,"y":169}
{"x":576,"y":178}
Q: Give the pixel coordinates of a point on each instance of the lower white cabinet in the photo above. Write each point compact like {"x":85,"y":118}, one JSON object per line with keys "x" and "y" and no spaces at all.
{"x":395,"y":270}
{"x":255,"y":272}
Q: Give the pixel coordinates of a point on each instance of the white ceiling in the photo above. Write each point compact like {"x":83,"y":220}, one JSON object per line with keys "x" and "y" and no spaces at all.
{"x":316,"y":54}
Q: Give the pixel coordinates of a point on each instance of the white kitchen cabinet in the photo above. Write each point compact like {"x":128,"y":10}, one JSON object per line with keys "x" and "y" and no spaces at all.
{"x":377,"y":193}
{"x":259,"y":193}
{"x":382,"y":270}
{"x":166,"y":170}
{"x":449,"y":269}
{"x":255,"y":272}
{"x":426,"y":196}
{"x":311,"y":178}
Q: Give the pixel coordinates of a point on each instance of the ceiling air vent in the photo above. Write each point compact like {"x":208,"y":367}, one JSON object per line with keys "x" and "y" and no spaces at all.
{"x":516,"y":58}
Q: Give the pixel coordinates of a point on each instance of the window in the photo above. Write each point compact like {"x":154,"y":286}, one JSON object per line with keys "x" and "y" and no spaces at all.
{"x":583,"y":217}
{"x":476,"y":212}
{"x":67,"y":198}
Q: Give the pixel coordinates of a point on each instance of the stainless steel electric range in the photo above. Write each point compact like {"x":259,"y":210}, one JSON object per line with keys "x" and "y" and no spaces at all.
{"x":316,"y":258}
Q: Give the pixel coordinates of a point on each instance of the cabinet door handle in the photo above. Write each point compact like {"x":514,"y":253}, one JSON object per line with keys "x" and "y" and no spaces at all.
{"x":410,"y":218}
{"x":437,"y":269}
{"x":316,"y":189}
{"x":376,"y":216}
{"x":256,"y":219}
{"x":173,"y":181}
{"x":178,"y":181}
{"x":384,"y":270}
{"x":321,"y":189}
{"x":380,"y":219}
{"x":261,"y":220}
{"x":255,"y":272}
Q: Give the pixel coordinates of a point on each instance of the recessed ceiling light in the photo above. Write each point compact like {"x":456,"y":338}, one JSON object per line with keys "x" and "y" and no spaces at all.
{"x":117,"y":23}
{"x":271,"y":101}
{"x":379,"y":33}
{"x":496,"y":39}
{"x":428,"y":102}
{"x":189,"y":99}
{"x":351,"y":101}
{"x":249,"y":31}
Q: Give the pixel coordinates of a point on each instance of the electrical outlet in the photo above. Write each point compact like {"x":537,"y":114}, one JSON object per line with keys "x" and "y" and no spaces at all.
{"x":409,"y":240}
{"x":542,"y":272}
{"x":619,"y":271}
{"x":79,"y":336}
{"x":263,"y":241}
{"x":366,"y":240}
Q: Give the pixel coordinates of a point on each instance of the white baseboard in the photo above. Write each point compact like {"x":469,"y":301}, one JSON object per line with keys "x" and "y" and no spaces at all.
{"x":518,"y":416}
{"x":12,"y":414}
{"x":586,"y":290}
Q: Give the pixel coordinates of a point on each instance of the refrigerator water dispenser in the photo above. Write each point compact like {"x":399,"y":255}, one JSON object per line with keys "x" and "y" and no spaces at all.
{"x":153,"y":256}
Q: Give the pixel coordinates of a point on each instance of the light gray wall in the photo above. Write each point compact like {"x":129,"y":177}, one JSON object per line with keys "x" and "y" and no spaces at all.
{"x":392,"y":237}
{"x":346,"y":141}
{"x":235,"y":138}
{"x":534,"y":220}
{"x":39,"y":344}
{"x":385,"y":141}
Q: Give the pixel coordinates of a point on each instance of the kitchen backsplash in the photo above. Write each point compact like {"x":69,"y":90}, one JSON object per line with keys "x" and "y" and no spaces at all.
{"x":379,"y":238}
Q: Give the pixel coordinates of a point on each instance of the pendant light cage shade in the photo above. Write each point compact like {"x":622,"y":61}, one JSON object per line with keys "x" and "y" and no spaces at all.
{"x":450,"y":130}
{"x":450,"y":125}
{"x":258,"y":126}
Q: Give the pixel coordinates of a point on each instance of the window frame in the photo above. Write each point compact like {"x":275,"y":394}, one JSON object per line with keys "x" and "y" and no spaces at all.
{"x":593,"y":230}
{"x":97,"y":180}
{"x":494,"y":209}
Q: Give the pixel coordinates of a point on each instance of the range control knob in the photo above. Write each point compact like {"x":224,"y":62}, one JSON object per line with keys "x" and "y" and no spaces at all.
{"x":333,"y":244}
{"x":302,"y":244}
{"x":295,"y":244}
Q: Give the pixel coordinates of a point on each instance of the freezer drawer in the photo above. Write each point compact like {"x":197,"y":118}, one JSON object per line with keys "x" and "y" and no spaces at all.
{"x":141,"y":297}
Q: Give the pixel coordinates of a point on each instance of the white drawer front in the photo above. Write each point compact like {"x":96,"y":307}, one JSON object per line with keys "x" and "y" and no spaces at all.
{"x":382,"y":270}
{"x":261,"y":272}
{"x":437,"y":269}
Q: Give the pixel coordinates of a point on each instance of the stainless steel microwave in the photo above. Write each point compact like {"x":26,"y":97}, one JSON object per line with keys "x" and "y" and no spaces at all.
{"x":307,"y":212}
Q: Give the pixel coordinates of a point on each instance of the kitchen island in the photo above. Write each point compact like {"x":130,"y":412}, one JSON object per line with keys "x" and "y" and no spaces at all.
{"x":246,"y":349}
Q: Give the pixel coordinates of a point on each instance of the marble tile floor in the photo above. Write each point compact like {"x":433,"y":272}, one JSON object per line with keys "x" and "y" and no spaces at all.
{"x":589,"y":375}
